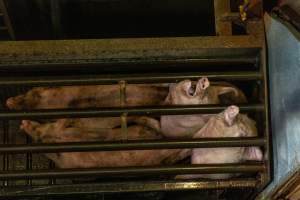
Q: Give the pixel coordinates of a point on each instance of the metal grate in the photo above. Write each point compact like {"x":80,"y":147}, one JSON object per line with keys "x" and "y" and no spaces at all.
{"x":44,"y":68}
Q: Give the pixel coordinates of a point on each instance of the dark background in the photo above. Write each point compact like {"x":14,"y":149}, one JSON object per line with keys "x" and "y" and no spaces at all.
{"x":32,"y":19}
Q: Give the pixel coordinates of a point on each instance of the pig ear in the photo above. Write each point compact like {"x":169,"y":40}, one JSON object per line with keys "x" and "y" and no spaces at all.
{"x":168,"y":99}
{"x":203,"y":83}
{"x":230,"y":114}
{"x":253,"y":153}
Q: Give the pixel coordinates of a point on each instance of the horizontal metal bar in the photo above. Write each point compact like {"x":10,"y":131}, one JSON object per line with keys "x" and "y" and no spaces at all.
{"x":134,"y":171}
{"x":122,"y":187}
{"x":132,"y":145}
{"x":95,"y":65}
{"x":115,"y":112}
{"x":91,"y":49}
{"x":130,"y":79}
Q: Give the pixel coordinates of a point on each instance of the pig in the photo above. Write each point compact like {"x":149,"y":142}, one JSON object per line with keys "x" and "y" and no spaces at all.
{"x":226,"y":124}
{"x":90,"y":96}
{"x":50,"y":133}
{"x":64,"y":132}
{"x":87,"y":96}
{"x":106,"y":122}
{"x":194,"y":93}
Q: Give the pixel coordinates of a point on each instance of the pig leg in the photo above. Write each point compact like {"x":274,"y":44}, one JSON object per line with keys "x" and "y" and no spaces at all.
{"x":148,"y":122}
{"x":184,"y":153}
{"x":53,"y":132}
{"x":105,"y":123}
{"x":238,"y":96}
{"x":31,"y":128}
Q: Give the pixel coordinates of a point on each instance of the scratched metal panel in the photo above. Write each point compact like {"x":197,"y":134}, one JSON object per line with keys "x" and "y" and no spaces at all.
{"x":284,"y":72}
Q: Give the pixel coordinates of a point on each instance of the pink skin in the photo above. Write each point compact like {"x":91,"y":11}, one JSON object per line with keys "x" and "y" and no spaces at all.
{"x":183,"y":93}
{"x":193,"y":93}
{"x":91,"y":96}
{"x":227,"y":124}
{"x":54,"y":132}
{"x":59,"y":131}
{"x":88,"y":96}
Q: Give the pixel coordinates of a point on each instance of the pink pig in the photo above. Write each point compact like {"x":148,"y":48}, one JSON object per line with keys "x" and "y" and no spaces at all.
{"x":226,"y":124}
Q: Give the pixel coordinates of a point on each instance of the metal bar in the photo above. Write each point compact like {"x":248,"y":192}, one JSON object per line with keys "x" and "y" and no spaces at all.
{"x":132,"y":145}
{"x":115,"y":112}
{"x":130,"y":79}
{"x":89,"y":50}
{"x":5,"y":156}
{"x":118,"y":187}
{"x":7,"y":20}
{"x":135,"y":171}
{"x":3,"y":28}
{"x":124,"y":115}
{"x":124,"y":127}
{"x":52,"y":181}
{"x":28,"y":159}
{"x":55,"y":18}
{"x":44,"y":65}
{"x":221,"y":8}
{"x":264,"y":94}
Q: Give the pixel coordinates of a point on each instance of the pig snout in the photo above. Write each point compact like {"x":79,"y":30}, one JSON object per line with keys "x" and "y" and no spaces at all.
{"x":230,"y":114}
{"x":192,"y":89}
{"x":203,"y":83}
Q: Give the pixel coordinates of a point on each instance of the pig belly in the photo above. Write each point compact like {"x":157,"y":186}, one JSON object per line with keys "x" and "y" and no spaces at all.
{"x":182,"y":126}
{"x":118,"y":158}
{"x":214,"y":156}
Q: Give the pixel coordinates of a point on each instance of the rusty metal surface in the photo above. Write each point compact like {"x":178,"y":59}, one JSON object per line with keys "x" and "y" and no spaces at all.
{"x":222,"y":8}
{"x":83,"y":50}
{"x":86,"y":51}
{"x":128,"y":187}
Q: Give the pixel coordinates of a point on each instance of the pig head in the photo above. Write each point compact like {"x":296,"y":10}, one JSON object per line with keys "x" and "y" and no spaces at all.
{"x":226,"y":124}
{"x":194,"y":93}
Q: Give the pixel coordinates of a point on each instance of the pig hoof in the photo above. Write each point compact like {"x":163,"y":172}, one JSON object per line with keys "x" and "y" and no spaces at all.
{"x":28,"y":126}
{"x":10,"y":103}
{"x":25,"y":125}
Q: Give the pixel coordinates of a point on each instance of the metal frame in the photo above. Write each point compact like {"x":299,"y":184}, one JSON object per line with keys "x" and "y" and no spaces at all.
{"x":97,"y":55}
{"x":8,"y":26}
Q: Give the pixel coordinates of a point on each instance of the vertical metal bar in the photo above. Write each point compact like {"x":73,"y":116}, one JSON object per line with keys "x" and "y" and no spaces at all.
{"x":5,"y":156}
{"x":28,"y":160}
{"x":7,"y":20}
{"x":52,"y":181}
{"x":222,"y":7}
{"x":122,"y":93}
{"x":124,"y":115}
{"x":124,"y":127}
{"x":55,"y":17}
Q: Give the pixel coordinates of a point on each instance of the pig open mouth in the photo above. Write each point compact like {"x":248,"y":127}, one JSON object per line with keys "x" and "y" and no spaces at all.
{"x":192,"y":89}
